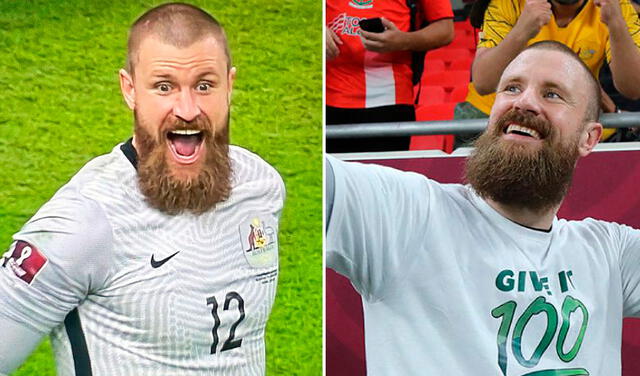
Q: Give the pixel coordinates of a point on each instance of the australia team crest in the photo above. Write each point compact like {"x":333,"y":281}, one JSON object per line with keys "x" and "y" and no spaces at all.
{"x":259,"y":240}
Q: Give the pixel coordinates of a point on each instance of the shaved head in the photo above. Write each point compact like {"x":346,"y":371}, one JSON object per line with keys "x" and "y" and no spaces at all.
{"x":595,"y":96}
{"x":177,"y":24}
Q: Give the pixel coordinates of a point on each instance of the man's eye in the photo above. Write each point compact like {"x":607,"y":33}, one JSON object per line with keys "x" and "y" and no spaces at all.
{"x":512,"y":89}
{"x":204,"y":86}
{"x":552,"y":95}
{"x":164,"y":87}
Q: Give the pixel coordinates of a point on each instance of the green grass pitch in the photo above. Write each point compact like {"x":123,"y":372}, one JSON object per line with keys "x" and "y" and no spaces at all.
{"x":60,"y":106}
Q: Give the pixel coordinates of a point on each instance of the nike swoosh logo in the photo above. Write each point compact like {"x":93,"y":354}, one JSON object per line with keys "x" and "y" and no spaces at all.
{"x":157,"y":264}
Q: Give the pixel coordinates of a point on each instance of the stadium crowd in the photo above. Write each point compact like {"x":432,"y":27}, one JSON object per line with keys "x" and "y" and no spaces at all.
{"x":377,"y":76}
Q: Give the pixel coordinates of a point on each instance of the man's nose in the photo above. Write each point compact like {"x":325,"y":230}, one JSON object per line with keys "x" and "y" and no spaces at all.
{"x":186,"y":106}
{"x":529,"y":101}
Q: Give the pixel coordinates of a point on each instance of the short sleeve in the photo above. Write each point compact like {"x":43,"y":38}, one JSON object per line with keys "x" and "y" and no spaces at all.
{"x":56,"y":260}
{"x":434,"y":10}
{"x":379,"y":217}
{"x":499,"y":19}
{"x":630,"y":270}
{"x":633,"y":24}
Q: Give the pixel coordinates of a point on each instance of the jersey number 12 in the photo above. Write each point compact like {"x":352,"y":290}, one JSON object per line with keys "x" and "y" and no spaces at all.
{"x":231,"y":342}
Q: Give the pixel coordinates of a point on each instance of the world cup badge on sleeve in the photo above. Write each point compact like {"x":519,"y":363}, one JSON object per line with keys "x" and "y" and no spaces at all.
{"x":24,"y":260}
{"x":259,"y":240}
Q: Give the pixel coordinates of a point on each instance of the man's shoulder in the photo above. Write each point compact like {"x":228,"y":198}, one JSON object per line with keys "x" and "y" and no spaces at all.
{"x":76,"y":224}
{"x":107,"y":178}
{"x":69,"y":228}
{"x":71,"y":206}
{"x":109,"y":165}
{"x":376,"y":171}
{"x":589,"y":222}
{"x":598,"y":229}
{"x":77,"y":204}
{"x":248,"y":166}
{"x":112,"y":166}
{"x":385,"y":178}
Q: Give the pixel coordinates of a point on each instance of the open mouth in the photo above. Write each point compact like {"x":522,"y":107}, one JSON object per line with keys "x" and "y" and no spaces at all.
{"x":520,"y":130}
{"x":185,"y":145}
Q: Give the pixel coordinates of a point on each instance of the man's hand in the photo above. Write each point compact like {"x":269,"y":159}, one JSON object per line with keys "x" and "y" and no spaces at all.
{"x":333,"y":40}
{"x":610,"y":12}
{"x":392,"y":39}
{"x":534,"y":16}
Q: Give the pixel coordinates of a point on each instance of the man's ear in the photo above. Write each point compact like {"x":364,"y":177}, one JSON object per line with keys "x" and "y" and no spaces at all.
{"x":589,"y":138}
{"x":127,"y":89}
{"x":231,"y":77}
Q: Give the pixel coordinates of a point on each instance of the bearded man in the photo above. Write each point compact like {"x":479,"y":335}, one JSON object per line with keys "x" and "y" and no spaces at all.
{"x":161,"y":257}
{"x":484,"y":279}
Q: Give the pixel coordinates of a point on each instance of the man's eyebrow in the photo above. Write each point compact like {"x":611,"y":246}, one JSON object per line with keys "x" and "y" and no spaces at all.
{"x":161,"y":75}
{"x":545,"y":84}
{"x":208,"y":73}
{"x":510,"y":80}
{"x":555,"y":85}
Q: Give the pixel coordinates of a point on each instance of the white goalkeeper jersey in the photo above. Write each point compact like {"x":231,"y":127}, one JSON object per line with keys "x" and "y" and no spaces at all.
{"x":451,"y":287}
{"x":127,"y":290}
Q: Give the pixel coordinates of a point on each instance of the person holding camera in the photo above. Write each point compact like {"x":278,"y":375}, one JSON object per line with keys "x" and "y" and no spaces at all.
{"x":369,"y":76}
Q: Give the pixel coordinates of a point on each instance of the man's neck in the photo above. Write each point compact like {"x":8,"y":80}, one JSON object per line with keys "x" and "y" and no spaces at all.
{"x":564,"y":14}
{"x":540,"y":220}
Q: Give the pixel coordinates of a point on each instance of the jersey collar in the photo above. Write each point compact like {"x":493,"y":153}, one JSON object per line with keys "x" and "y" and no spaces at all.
{"x":130,"y":152}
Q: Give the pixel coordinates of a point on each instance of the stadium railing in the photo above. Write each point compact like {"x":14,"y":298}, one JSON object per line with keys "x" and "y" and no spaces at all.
{"x":617,"y":120}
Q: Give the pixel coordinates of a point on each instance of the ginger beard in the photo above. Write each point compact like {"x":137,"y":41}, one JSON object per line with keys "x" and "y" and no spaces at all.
{"x":196,"y":192}
{"x":518,"y":174}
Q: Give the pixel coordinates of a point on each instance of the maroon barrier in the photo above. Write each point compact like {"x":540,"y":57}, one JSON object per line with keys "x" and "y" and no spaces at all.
{"x":605,"y":186}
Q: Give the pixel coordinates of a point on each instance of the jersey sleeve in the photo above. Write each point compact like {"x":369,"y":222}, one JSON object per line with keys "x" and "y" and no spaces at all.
{"x":56,"y":260}
{"x":630,"y":269}
{"x":377,"y":220}
{"x":633,"y":24}
{"x":434,"y":10}
{"x":499,"y":19}
{"x":18,"y":341}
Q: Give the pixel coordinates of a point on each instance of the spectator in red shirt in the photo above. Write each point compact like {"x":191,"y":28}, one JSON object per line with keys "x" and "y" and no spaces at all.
{"x":369,"y":74}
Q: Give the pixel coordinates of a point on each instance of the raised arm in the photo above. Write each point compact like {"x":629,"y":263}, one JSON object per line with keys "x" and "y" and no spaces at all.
{"x":622,"y":21}
{"x":508,"y":37}
{"x":372,"y":209}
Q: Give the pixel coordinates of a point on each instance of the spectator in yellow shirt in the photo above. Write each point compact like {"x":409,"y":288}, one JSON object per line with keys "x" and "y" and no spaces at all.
{"x":594,"y":29}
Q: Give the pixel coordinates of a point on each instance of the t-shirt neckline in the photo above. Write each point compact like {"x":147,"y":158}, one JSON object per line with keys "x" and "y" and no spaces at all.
{"x":515,"y":229}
